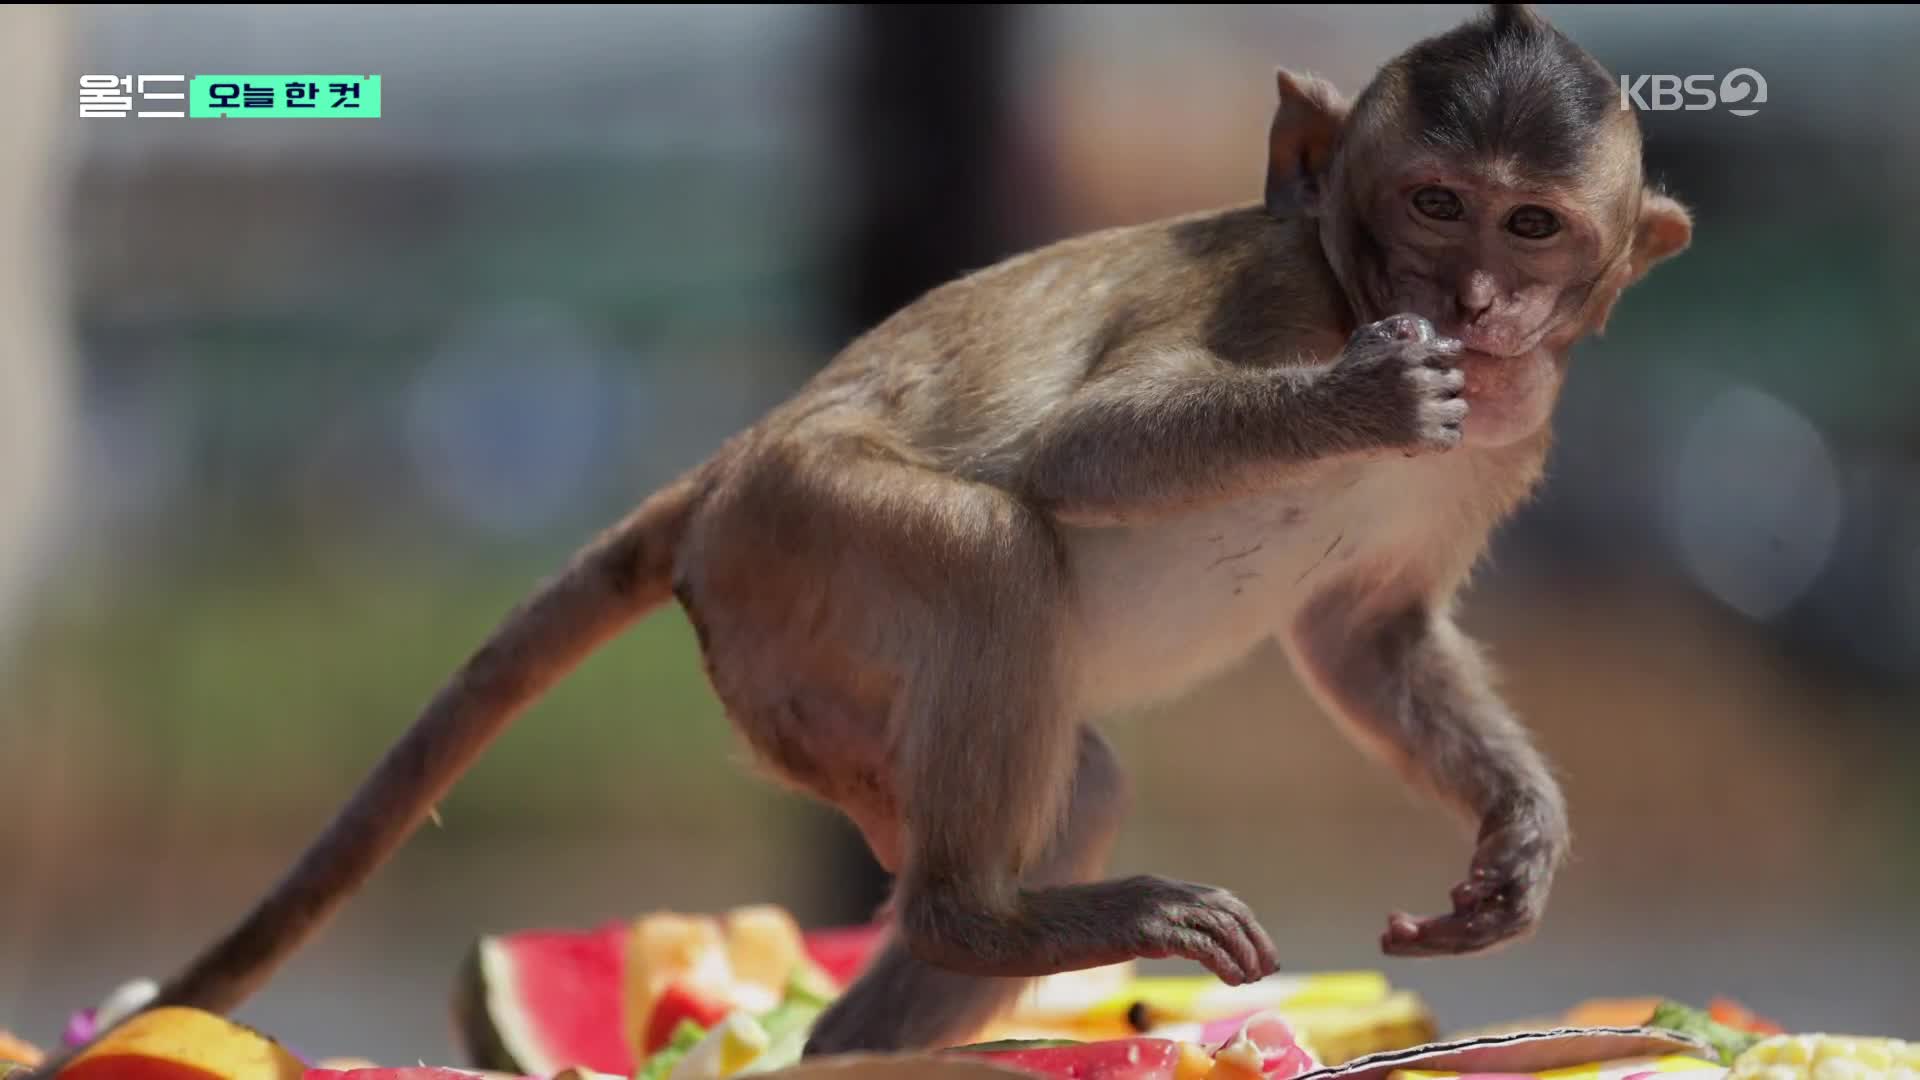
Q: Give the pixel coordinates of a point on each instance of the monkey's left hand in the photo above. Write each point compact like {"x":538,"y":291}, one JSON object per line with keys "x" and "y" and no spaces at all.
{"x":1503,"y":896}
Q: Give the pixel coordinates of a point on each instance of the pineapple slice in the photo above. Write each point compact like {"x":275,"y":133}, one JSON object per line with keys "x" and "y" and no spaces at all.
{"x":1339,"y":1033}
{"x":1828,"y":1057}
{"x":765,"y":947}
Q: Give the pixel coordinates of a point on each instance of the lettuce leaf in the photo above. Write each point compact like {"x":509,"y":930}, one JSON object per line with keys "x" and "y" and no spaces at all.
{"x":1728,"y":1042}
{"x":787,"y":1026}
{"x":685,"y":1038}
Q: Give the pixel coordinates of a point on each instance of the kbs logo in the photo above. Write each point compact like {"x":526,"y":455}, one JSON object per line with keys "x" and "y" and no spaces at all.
{"x":1744,"y":87}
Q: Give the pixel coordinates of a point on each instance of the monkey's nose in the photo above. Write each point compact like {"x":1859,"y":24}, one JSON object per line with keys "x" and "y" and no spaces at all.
{"x":1476,"y":295}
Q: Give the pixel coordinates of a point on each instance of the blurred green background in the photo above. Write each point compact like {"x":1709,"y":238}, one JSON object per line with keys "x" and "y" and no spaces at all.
{"x":334,"y":395}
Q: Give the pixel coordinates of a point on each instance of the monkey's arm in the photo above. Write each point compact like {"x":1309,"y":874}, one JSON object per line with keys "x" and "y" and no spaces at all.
{"x":1414,"y":690}
{"x":1172,"y":428}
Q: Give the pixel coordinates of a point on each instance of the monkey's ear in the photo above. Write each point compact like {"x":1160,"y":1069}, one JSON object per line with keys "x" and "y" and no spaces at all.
{"x":1306,"y":127}
{"x":1664,"y":230}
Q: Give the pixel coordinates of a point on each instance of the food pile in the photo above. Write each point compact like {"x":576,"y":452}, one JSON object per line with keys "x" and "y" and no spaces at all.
{"x":675,"y":996}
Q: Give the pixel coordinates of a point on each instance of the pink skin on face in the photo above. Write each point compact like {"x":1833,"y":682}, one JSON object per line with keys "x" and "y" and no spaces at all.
{"x":1508,"y":397}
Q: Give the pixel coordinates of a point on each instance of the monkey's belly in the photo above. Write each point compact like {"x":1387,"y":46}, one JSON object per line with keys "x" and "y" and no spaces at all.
{"x":1163,"y":606}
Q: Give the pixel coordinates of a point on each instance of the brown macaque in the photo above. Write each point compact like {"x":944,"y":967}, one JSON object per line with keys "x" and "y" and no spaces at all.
{"x":1084,"y":479}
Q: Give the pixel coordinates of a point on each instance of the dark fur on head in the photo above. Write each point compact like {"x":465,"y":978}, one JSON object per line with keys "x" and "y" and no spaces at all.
{"x":1510,"y":85}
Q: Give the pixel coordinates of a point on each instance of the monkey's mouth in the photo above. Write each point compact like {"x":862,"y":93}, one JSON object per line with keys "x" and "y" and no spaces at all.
{"x":1495,"y":342}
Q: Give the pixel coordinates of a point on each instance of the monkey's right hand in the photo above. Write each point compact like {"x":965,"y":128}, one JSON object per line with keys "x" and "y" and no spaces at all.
{"x":1399,"y":379}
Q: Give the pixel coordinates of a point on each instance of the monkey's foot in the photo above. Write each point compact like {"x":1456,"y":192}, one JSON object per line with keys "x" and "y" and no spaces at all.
{"x":1209,"y":926}
{"x":1069,"y":928}
{"x":1500,"y":902}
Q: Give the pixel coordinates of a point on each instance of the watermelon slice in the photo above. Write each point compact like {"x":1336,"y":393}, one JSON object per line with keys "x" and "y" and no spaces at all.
{"x":539,"y":1001}
{"x":1111,"y":1059}
{"x":844,"y":951}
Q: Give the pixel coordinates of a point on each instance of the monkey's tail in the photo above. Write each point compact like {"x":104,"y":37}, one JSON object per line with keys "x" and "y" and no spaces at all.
{"x":609,"y":584}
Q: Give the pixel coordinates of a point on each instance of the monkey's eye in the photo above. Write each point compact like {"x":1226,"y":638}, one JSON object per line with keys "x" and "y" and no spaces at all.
{"x":1533,"y":222}
{"x":1438,"y":204}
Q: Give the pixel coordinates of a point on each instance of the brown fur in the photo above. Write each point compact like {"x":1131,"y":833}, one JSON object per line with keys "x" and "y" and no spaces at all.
{"x":1062,"y":485}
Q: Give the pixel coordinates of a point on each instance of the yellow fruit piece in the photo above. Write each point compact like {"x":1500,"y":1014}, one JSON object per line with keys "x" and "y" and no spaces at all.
{"x":1612,"y":1012}
{"x":1194,"y":1063}
{"x":765,"y":947}
{"x":1337,"y":1034}
{"x":740,"y":1049}
{"x":183,"y":1044}
{"x":1621,"y":1069}
{"x":1238,"y":1060}
{"x":668,"y":947}
{"x":1202,"y":997}
{"x":1828,"y":1057}
{"x":17,"y":1051}
{"x":1016,"y":1028}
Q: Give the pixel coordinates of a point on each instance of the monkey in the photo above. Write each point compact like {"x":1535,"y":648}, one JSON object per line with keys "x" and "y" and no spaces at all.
{"x":1089,"y":476}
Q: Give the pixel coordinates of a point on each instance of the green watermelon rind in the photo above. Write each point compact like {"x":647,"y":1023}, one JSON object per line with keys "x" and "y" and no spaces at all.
{"x":1000,"y":1046}
{"x":481,"y":1010}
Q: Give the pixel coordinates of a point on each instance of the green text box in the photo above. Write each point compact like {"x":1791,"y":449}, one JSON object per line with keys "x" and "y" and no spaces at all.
{"x":239,"y":97}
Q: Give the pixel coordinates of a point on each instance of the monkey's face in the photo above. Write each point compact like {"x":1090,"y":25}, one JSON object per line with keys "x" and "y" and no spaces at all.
{"x":1503,"y":266}
{"x":1488,"y":180}
{"x":1506,"y":267}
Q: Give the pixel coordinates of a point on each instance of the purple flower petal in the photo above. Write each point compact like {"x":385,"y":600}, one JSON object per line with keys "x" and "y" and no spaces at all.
{"x":80,"y":1028}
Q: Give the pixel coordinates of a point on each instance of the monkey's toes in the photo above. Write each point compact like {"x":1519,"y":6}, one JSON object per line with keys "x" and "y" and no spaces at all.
{"x":1217,"y":930}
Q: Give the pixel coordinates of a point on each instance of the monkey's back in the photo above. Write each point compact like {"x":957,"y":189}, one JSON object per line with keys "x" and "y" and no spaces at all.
{"x":964,"y":376}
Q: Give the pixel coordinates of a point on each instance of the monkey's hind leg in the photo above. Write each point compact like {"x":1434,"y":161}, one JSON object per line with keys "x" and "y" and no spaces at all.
{"x":901,"y":1002}
{"x":952,"y":600}
{"x":986,"y":747}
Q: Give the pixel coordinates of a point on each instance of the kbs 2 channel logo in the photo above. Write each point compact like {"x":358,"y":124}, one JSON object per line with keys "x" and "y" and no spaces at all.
{"x":1741,"y":90}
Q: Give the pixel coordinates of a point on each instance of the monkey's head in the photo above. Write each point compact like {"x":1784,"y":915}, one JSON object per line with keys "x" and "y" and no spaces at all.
{"x":1489,"y":180}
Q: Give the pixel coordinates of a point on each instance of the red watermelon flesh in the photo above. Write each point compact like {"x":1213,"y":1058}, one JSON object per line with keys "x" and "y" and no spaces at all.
{"x":679,"y":1003}
{"x":1113,"y":1059}
{"x":551,"y":1000}
{"x":842,"y":952}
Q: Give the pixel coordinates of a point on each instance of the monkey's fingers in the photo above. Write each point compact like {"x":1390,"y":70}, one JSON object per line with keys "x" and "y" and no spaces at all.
{"x":1488,"y":917}
{"x":1440,"y":935}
